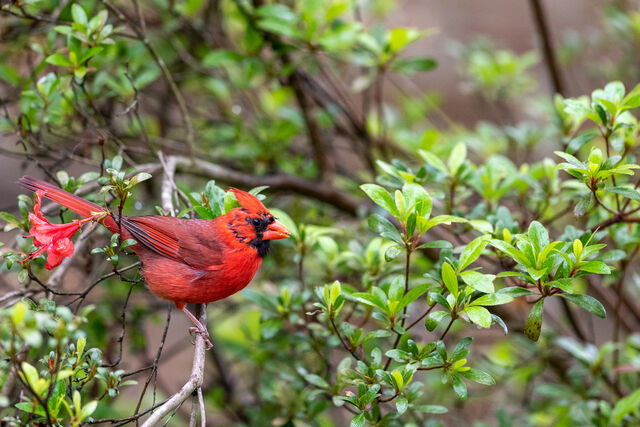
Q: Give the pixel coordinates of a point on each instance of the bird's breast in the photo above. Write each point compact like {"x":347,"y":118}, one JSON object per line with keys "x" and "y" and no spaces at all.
{"x":180,"y":282}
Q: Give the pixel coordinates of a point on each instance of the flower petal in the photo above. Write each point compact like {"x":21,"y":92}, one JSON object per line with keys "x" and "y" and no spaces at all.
{"x":53,"y":260}
{"x":64,"y":247}
{"x":38,"y":203}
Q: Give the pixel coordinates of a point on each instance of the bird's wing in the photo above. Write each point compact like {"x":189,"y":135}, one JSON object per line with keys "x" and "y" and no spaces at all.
{"x":193,"y":242}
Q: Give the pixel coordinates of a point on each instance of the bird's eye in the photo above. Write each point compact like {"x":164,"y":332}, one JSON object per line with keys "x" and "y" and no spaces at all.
{"x":256,"y":221}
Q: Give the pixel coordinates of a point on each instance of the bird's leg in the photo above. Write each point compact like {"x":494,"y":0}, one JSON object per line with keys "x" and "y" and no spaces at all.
{"x":199,"y":328}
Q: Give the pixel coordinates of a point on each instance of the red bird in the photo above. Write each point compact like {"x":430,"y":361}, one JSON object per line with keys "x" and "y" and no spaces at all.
{"x":187,"y":261}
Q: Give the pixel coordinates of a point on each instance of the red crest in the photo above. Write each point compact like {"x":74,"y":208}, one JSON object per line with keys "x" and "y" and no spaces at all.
{"x":248,"y":201}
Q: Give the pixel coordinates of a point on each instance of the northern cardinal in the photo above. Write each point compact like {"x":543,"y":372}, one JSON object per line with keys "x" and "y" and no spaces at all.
{"x":183,"y":260}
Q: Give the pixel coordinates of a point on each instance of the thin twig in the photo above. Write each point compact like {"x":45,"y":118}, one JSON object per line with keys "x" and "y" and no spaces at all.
{"x":156,"y":361}
{"x":175,"y":90}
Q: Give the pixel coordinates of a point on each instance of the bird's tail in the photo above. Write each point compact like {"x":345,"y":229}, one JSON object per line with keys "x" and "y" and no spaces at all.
{"x":68,"y":200}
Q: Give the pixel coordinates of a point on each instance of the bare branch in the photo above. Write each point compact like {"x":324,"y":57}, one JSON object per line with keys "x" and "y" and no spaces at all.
{"x":310,"y":188}
{"x":194,"y":381}
{"x":197,"y":371}
{"x":169,"y":167}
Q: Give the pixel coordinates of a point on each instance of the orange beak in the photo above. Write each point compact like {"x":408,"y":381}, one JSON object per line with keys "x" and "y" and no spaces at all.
{"x":276,"y":230}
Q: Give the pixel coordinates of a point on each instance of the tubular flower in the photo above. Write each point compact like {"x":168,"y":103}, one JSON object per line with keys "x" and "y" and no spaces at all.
{"x":54,"y":239}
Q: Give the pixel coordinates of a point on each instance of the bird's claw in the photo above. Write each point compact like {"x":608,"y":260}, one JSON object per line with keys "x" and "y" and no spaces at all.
{"x":204,"y":333}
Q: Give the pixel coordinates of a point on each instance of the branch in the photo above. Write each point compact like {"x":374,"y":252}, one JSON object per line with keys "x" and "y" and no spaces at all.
{"x":169,"y":166}
{"x":194,"y":381}
{"x":197,"y":370}
{"x":315,"y":134}
{"x":618,"y":217}
{"x":547,"y":48}
{"x":310,"y":188}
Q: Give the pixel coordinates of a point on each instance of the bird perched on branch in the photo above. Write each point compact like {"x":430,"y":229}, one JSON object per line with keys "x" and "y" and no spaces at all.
{"x":187,"y":261}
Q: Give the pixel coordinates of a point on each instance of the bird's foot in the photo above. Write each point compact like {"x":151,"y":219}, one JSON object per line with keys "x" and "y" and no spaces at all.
{"x":199,"y":328}
{"x":203,"y":333}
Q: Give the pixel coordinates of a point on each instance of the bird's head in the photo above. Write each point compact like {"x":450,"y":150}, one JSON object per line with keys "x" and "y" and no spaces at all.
{"x":252,"y":222}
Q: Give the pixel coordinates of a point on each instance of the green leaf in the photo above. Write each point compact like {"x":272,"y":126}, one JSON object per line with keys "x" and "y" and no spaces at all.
{"x":597,"y":267}
{"x":28,"y":408}
{"x":437,"y":244}
{"x":459,"y":387}
{"x":260,"y":299}
{"x":478,"y":376}
{"x":602,"y":113}
{"x":78,"y":14}
{"x":215,"y":196}
{"x":19,"y":312}
{"x":481,"y":225}
{"x":433,"y":160}
{"x":90,"y":53}
{"x":514,"y":291}
{"x":278,"y":12}
{"x":576,"y":143}
{"x":11,"y":221}
{"x":59,"y":60}
{"x":30,"y":373}
{"x":9,"y":75}
{"x":411,"y":66}
{"x":221,"y":57}
{"x":418,"y":197}
{"x":138,"y":178}
{"x":514,"y":253}
{"x":457,"y":158}
{"x":381,"y":197}
{"x":538,"y":235}
{"x":471,"y":252}
{"x":533,"y":325}
{"x":401,"y":37}
{"x":204,"y":213}
{"x":88,"y":409}
{"x":563,"y":284}
{"x":385,"y":228}
{"x":627,"y":405}
{"x":370,"y":299}
{"x":431,"y":409}
{"x":478,"y":281}
{"x":316,"y":380}
{"x":587,"y":302}
{"x":334,"y":292}
{"x":413,"y":295}
{"x":584,"y":203}
{"x":398,"y":355}
{"x":575,"y":107}
{"x":279,"y":27}
{"x":629,"y":193}
{"x":479,"y":315}
{"x":632,"y":100}
{"x":282,"y":216}
{"x":492,"y":299}
{"x":569,"y":158}
{"x":402,"y":404}
{"x":358,"y":420}
{"x":442,"y":219}
{"x":434,"y":318}
{"x":461,"y":349}
{"x":449,"y":278}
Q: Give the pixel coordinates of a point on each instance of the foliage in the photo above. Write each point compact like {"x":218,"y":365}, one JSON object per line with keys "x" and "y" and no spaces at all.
{"x":426,"y":267}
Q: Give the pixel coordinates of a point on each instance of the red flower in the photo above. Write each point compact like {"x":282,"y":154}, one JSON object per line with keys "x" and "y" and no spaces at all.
{"x":55,"y":239}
